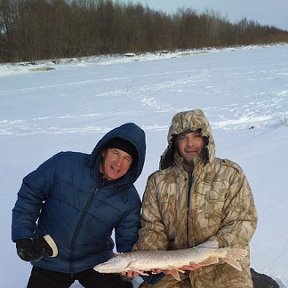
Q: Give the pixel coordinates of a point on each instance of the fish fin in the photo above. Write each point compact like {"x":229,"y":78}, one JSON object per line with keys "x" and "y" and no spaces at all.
{"x":175,"y":275}
{"x":233,"y":255}
{"x":127,"y":267}
{"x":176,"y":269}
{"x":175,"y":272}
{"x":209,"y":261}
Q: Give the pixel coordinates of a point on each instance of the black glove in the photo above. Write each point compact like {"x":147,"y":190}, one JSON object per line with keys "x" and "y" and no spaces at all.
{"x":33,"y":249}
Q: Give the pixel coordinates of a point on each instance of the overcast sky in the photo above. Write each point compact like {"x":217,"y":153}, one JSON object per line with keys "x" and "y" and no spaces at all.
{"x":265,"y":12}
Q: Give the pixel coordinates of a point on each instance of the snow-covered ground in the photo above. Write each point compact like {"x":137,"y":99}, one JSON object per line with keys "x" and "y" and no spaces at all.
{"x":70,"y":105}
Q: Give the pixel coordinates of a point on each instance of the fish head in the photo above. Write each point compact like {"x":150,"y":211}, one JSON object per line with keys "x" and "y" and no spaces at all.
{"x":116,"y":264}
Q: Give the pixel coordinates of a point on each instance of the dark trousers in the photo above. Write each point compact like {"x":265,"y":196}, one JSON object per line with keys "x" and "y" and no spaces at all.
{"x":42,"y":278}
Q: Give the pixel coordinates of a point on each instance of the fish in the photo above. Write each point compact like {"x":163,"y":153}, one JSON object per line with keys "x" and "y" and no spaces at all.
{"x":143,"y":262}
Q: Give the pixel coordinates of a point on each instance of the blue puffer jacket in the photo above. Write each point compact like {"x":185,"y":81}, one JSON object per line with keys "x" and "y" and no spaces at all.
{"x":73,"y":205}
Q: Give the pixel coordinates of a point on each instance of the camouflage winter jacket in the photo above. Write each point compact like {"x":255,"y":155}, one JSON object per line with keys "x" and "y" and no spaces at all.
{"x":218,"y":206}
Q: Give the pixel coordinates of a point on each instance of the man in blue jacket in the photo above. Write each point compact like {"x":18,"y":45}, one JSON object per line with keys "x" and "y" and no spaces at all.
{"x":67,"y":208}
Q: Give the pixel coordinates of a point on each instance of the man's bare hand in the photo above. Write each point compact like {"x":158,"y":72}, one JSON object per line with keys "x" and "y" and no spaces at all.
{"x":191,"y":267}
{"x":168,"y":272}
{"x":130,"y":274}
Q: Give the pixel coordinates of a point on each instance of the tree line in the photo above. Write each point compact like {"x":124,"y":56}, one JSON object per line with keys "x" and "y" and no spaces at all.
{"x":49,"y":29}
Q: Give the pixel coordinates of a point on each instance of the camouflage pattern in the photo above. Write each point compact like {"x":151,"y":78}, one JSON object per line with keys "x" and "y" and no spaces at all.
{"x":220,"y":207}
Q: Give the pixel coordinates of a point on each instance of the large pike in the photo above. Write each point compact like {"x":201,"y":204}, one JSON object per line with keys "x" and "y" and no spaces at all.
{"x":143,"y":261}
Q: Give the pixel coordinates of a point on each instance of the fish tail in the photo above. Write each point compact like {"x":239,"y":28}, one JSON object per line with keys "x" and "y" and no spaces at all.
{"x":233,"y":255}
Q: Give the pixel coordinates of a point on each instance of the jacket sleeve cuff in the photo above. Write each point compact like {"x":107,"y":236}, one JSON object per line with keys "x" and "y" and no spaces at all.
{"x":52,"y":244}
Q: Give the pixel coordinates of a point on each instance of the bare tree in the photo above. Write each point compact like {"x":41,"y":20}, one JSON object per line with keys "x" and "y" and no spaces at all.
{"x":37,"y":29}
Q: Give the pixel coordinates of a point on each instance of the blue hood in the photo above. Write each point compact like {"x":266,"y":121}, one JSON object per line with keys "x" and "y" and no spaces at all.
{"x":136,"y":136}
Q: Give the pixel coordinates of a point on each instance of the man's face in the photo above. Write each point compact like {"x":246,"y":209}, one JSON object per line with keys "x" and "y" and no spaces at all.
{"x":115,"y":163}
{"x":190,"y":145}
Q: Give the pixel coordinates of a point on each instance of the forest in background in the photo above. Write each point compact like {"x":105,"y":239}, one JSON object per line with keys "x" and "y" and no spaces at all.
{"x":31,"y":30}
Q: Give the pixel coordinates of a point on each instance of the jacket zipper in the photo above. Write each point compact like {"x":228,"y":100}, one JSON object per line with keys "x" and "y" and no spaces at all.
{"x":190,"y":182}
{"x":78,"y":227}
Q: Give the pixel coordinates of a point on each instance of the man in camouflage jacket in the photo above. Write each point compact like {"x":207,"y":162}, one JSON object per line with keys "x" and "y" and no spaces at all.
{"x":193,"y":198}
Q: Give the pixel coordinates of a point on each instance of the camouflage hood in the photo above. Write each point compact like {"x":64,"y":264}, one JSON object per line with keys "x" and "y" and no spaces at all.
{"x":184,"y":122}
